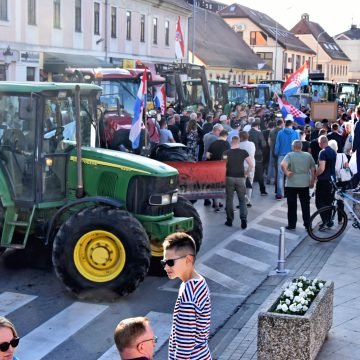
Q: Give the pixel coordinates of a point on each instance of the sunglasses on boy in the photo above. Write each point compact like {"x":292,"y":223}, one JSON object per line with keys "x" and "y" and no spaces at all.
{"x":5,"y":345}
{"x":171,"y":262}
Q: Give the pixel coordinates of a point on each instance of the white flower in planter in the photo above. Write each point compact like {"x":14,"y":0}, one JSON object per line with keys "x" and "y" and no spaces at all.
{"x":296,"y":298}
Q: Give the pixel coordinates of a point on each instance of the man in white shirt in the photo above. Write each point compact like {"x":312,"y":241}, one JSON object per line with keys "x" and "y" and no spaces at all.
{"x":249,"y":146}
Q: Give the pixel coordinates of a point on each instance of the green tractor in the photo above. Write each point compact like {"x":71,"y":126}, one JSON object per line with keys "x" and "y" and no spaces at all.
{"x":100,"y":213}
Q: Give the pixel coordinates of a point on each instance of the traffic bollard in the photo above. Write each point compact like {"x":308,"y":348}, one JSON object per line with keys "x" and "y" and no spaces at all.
{"x":281,"y":256}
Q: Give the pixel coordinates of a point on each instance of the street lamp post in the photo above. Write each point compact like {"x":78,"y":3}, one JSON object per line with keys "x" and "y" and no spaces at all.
{"x":7,"y":60}
{"x":317,"y":48}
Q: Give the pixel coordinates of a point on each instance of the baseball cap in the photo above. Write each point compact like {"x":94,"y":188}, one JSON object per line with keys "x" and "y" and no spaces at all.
{"x":289,"y":117}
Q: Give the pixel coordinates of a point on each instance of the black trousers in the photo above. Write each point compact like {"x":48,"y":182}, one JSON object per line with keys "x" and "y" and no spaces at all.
{"x":292,"y":194}
{"x":259,"y":175}
{"x":324,"y":196}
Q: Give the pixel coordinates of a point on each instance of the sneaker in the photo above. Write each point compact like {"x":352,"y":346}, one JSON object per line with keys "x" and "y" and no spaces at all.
{"x":356,"y":190}
{"x":217,"y":210}
{"x":330,"y":224}
{"x":249,"y":204}
{"x":264,"y":193}
{"x":207,"y":202}
{"x":243,"y":224}
{"x":228,"y":223}
{"x":278,"y":197}
{"x":290,"y":228}
{"x":221,"y":204}
{"x":322,"y":227}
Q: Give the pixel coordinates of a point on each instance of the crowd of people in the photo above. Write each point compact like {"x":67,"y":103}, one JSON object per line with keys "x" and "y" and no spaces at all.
{"x":273,"y":152}
{"x":267,"y":150}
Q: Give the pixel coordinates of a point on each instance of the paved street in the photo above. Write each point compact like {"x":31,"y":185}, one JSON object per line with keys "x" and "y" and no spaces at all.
{"x":234,"y":261}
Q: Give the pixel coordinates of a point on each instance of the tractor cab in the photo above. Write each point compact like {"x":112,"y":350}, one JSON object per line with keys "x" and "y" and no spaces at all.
{"x":38,"y":130}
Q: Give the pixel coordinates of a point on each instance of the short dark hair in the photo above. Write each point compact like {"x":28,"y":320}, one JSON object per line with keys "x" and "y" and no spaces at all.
{"x":128,"y":330}
{"x":334,"y":126}
{"x":244,"y":135}
{"x":223,"y":133}
{"x":180,"y":241}
{"x":288,"y":123}
{"x":279,"y":122}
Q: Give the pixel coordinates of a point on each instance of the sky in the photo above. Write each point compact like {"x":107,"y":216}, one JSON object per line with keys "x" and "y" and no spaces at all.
{"x":333,"y":17}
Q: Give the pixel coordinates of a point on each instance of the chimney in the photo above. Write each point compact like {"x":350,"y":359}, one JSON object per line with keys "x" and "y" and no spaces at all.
{"x":353,"y":26}
{"x":305,"y":17}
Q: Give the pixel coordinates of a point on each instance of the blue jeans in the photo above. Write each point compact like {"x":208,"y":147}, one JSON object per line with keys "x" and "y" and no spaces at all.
{"x":234,"y":184}
{"x":280,"y":178}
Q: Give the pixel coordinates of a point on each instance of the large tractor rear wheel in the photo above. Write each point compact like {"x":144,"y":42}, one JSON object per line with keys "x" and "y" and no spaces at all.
{"x":101,"y":251}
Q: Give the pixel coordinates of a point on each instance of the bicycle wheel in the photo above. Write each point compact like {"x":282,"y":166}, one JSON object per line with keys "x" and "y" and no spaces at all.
{"x":327,"y":223}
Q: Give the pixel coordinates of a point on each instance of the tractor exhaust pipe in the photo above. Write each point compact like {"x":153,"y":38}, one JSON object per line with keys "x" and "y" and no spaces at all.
{"x":80,"y":183}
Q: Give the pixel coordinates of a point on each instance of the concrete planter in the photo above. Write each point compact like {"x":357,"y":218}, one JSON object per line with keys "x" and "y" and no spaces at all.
{"x":283,"y":336}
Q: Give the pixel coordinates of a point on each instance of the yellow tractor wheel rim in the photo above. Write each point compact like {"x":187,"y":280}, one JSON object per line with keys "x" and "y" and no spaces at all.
{"x":99,"y":256}
{"x":157,"y":249}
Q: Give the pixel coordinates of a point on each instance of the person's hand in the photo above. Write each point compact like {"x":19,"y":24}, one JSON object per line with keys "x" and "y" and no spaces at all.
{"x":289,"y":173}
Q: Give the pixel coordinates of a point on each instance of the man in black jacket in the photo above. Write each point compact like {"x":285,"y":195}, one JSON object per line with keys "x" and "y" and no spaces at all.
{"x":257,"y":137}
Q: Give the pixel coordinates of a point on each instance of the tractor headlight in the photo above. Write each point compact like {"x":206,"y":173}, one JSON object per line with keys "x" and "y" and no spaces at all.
{"x":174,"y":197}
{"x":163,"y":199}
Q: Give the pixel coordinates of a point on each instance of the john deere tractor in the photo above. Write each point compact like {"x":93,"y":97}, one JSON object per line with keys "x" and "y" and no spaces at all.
{"x":102,"y":213}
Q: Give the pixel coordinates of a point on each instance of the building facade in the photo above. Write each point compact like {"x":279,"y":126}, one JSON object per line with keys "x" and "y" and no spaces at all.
{"x":98,"y":32}
{"x":349,"y":41}
{"x":277,"y":47}
{"x":329,"y":57}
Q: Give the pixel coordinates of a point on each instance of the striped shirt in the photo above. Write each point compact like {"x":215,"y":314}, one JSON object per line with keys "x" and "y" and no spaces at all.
{"x":191,"y":322}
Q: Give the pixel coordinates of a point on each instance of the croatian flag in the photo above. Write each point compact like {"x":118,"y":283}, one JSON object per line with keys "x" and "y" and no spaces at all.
{"x":160,"y":98}
{"x":140,"y":102}
{"x":286,"y":109}
{"x":179,"y":41}
{"x":299,"y":78}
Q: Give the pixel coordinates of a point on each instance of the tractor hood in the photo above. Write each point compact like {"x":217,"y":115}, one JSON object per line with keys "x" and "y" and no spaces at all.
{"x":124,"y":161}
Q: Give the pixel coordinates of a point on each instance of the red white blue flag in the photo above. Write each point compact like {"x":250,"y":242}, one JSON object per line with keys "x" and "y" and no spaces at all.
{"x":299,"y":78}
{"x":286,"y":109}
{"x":160,"y":98}
{"x":137,"y":122}
{"x":179,"y":41}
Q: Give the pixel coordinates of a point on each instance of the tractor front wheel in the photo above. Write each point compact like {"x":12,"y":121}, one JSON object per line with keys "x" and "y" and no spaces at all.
{"x":101,"y":251}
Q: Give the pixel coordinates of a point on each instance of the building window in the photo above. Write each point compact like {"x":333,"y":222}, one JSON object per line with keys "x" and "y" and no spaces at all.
{"x":155,"y":31}
{"x":113,"y":22}
{"x":78,"y":15}
{"x":30,"y":74}
{"x":267,"y":57}
{"x":96,"y":18}
{"x":57,"y":14}
{"x":3,"y":10}
{"x":2,"y":73}
{"x":128,"y":25}
{"x":32,"y":12}
{"x":258,"y":38}
{"x":167,"y":33}
{"x":142,"y":28}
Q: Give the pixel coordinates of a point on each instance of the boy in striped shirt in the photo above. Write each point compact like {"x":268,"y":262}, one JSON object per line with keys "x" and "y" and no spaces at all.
{"x":191,"y":319}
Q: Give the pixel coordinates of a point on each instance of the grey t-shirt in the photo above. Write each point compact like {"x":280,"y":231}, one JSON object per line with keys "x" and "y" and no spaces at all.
{"x":299,"y":163}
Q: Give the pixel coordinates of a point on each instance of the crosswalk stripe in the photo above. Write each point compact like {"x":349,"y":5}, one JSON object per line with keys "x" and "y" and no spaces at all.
{"x":270,"y":230}
{"x":244,"y":260}
{"x":218,"y":277}
{"x":161,"y":325}
{"x":10,"y":301}
{"x":58,"y":329}
{"x":258,"y":243}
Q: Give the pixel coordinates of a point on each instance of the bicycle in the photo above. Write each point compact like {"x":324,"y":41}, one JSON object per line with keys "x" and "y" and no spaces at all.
{"x":330,"y":222}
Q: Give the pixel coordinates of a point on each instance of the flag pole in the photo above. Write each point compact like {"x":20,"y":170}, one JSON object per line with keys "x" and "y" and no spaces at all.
{"x":145,"y":114}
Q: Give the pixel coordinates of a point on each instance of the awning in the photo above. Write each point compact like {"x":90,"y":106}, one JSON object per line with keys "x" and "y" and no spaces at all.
{"x":58,"y":62}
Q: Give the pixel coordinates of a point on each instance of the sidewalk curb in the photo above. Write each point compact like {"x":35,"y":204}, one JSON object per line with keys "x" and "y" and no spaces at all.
{"x":237,"y":338}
